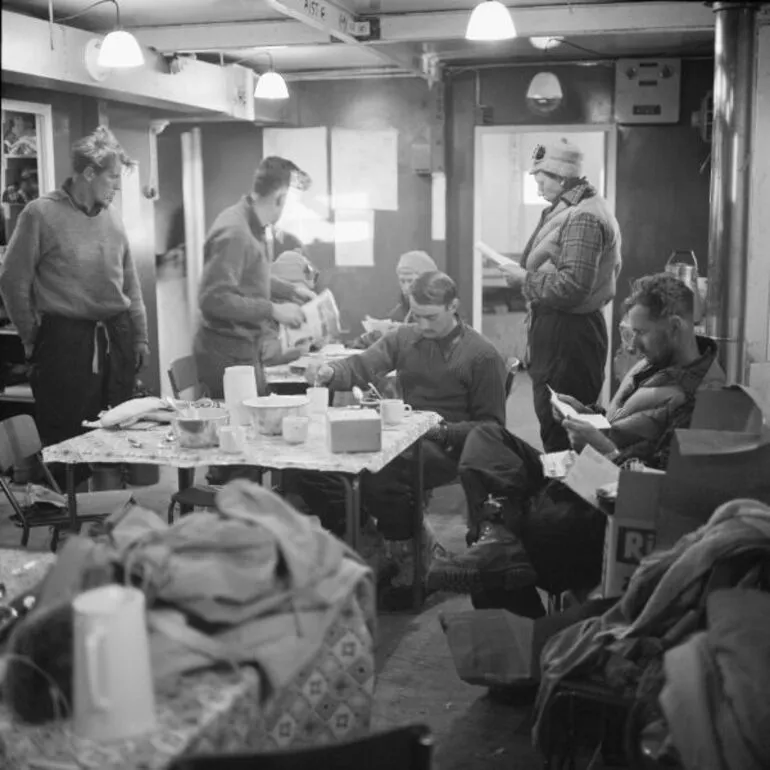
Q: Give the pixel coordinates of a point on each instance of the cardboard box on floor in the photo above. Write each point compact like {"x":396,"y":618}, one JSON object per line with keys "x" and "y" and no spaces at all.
{"x":724,"y":455}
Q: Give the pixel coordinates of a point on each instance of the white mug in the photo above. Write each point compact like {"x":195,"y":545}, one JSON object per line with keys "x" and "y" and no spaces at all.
{"x":232,"y":438}
{"x":319,"y":400}
{"x":113,"y":692}
{"x":393,"y":411}
{"x":294,"y":429}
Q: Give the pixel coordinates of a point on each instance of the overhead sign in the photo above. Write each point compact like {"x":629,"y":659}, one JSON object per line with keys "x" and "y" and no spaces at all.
{"x":324,"y":15}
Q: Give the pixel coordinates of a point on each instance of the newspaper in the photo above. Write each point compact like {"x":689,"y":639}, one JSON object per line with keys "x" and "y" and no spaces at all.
{"x":322,"y":322}
{"x":598,"y":421}
{"x":503,"y":263}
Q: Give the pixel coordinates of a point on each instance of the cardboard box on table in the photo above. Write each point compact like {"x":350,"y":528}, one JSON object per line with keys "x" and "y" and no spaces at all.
{"x":724,"y":455}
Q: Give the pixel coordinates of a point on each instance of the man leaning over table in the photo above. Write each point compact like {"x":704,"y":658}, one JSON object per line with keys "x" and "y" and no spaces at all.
{"x":543,"y":534}
{"x":442,"y":366}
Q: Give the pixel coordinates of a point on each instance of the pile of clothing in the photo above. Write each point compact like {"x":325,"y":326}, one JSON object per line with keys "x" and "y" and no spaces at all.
{"x":690,"y":640}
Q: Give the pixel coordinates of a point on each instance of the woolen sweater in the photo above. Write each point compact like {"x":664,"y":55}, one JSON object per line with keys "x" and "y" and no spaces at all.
{"x":64,"y":261}
{"x":460,"y":376}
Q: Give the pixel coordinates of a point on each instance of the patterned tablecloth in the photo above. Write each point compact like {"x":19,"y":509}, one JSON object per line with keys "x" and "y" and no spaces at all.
{"x":157,"y":446}
{"x":220,"y":711}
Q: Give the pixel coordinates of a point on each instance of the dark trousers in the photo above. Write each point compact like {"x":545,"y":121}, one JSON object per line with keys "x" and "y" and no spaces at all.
{"x":387,"y":496}
{"x":568,"y":352}
{"x":561,"y":534}
{"x":66,"y":388}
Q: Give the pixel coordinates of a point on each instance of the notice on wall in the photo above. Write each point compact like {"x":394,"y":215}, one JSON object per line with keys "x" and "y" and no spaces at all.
{"x":365,"y":169}
{"x":354,"y":238}
{"x":307,"y":147}
{"x":438,"y":206}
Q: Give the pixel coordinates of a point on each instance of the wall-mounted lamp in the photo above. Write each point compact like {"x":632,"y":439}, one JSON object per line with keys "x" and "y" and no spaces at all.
{"x":118,"y":50}
{"x":544,"y":94}
{"x":490,"y":20}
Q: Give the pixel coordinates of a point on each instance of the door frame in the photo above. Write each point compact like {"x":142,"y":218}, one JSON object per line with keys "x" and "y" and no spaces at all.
{"x":610,"y":190}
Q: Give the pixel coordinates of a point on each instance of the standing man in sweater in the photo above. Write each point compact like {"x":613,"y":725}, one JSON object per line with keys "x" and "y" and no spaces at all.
{"x":71,"y":289}
{"x":443,"y":366}
{"x":568,"y":274}
{"x":239,"y":298}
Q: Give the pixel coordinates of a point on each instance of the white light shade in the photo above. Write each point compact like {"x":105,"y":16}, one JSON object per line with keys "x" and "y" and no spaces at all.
{"x":545,"y":87}
{"x":490,"y":20}
{"x":546,"y":43}
{"x":271,"y":85}
{"x":120,"y":50}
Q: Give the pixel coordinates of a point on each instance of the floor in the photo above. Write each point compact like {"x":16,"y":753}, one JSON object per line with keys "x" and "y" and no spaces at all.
{"x":417,"y":682}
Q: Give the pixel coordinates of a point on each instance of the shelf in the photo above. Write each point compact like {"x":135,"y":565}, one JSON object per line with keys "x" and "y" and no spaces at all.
{"x":8,"y":331}
{"x":21,"y":157}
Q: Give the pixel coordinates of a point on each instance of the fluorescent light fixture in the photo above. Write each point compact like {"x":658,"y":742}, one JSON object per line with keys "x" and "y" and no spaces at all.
{"x":490,"y":20}
{"x":120,"y":50}
{"x":546,"y":43}
{"x":271,"y":85}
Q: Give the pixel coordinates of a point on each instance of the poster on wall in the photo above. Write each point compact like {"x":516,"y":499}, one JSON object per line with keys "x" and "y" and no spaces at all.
{"x":365,"y":169}
{"x":354,"y":238}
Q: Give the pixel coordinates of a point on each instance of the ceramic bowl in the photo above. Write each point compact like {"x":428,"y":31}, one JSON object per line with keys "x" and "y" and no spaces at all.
{"x":267,"y":412}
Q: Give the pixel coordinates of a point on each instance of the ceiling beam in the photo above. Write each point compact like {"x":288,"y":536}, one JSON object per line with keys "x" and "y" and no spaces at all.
{"x":342,"y":24}
{"x":566,"y":20}
{"x":563,"y":20}
{"x":207,"y":38}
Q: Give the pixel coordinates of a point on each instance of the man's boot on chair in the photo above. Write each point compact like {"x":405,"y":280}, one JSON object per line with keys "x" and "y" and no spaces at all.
{"x":495,"y":557}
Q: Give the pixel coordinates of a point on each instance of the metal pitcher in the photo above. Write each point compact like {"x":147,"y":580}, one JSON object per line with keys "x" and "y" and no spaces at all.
{"x":684,"y":266}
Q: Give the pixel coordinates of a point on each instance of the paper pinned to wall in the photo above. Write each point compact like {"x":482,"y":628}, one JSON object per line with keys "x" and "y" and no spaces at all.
{"x":354,"y":238}
{"x":365,"y":169}
{"x":305,"y":211}
{"x":438,"y":206}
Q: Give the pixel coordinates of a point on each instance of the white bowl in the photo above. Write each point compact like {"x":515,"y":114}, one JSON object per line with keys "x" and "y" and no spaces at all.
{"x":267,"y":412}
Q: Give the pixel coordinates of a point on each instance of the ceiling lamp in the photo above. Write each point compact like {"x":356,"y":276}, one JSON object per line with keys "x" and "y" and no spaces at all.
{"x":271,"y":85}
{"x":490,"y":20}
{"x":546,"y":43}
{"x":120,"y":50}
{"x":544,"y":94}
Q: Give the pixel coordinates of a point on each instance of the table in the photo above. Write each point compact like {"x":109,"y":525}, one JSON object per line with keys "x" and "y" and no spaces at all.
{"x":157,"y":447}
{"x":216,"y":711}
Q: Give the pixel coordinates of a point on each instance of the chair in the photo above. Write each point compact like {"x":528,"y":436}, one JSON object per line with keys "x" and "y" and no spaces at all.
{"x":183,"y":376}
{"x":20,"y":443}
{"x":406,"y":748}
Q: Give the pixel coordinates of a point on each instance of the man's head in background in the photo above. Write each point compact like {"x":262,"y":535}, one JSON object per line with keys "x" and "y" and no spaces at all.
{"x":28,"y":184}
{"x":660,"y":313}
{"x":412,"y":265}
{"x":434,"y":303}
{"x":272,"y":180}
{"x":295,"y":268}
{"x":98,"y":161}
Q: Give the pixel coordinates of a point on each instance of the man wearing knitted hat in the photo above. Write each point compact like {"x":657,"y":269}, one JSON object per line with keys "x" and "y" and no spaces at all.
{"x":568,"y":274}
{"x":410,"y":267}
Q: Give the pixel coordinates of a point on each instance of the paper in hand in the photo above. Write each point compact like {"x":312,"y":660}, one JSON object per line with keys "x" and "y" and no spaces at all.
{"x":503,"y":263}
{"x":598,"y":421}
{"x":557,"y":464}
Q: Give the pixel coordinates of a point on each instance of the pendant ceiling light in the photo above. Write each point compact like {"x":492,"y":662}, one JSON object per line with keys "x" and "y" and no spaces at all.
{"x":271,"y":85}
{"x":490,"y":20}
{"x":120,"y":50}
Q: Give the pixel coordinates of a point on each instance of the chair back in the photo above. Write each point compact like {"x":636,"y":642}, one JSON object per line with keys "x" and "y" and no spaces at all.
{"x":183,"y":376}
{"x":406,"y":748}
{"x":19,"y":440}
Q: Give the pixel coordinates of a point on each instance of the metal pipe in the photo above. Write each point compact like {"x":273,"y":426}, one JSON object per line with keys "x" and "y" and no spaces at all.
{"x":734,"y":43}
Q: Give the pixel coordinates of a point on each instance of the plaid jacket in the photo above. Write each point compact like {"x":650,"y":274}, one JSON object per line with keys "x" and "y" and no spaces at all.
{"x":584,"y":249}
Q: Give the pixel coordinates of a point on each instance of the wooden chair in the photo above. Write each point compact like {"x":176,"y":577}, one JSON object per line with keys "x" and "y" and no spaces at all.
{"x":20,"y":444}
{"x":183,"y":376}
{"x":406,"y":748}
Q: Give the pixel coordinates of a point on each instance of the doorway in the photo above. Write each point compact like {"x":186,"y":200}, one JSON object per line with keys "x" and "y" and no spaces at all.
{"x":507,"y":209}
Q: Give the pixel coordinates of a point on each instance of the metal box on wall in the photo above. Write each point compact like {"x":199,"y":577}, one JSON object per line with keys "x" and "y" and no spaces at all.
{"x":647,"y":90}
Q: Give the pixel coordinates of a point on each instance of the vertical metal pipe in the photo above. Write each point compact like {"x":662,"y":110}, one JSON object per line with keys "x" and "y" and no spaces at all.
{"x":735,"y":36}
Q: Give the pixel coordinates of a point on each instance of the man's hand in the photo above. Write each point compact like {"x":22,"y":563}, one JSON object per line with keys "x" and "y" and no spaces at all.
{"x":319,"y":373}
{"x":141,"y":355}
{"x":288,"y":314}
{"x":29,"y":350}
{"x":304,"y":294}
{"x":514,"y":274}
{"x":581,"y":433}
{"x":573,"y":402}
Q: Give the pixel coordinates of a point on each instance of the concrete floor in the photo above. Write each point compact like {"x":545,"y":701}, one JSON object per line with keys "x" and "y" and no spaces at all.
{"x":417,"y":682}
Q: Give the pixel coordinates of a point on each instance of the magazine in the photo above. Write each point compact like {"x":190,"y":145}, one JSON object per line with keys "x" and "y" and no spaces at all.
{"x":322,"y":322}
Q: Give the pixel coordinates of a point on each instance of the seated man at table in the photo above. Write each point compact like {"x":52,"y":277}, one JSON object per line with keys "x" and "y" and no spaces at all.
{"x":542,"y":534}
{"x":443,"y":366}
